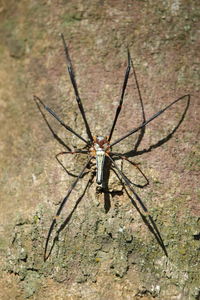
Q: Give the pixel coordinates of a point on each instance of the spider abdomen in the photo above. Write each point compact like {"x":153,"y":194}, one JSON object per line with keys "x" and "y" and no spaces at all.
{"x":100,"y":159}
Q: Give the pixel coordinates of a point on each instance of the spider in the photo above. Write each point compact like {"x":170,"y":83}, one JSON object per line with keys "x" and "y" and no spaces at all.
{"x":99,"y":148}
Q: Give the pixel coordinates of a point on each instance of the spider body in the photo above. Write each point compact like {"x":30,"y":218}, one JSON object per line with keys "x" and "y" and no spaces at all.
{"x":99,"y":147}
{"x":99,"y":150}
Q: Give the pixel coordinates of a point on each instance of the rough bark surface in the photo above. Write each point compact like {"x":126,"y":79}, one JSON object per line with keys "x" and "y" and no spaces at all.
{"x":107,"y":249}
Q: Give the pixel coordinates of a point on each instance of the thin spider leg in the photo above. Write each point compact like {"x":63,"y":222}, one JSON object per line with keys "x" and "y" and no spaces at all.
{"x":73,"y":81}
{"x":62,"y":205}
{"x":137,"y":167}
{"x":73,"y":152}
{"x":66,"y":221}
{"x":89,"y":183}
{"x":62,"y":165}
{"x":142,"y":132}
{"x":51,"y":129}
{"x":128,"y":183}
{"x":138,"y":89}
{"x":122,"y":95}
{"x":58,"y":119}
{"x":160,"y":142}
{"x":151,"y":225}
{"x":145,"y":210}
{"x":149,"y":120}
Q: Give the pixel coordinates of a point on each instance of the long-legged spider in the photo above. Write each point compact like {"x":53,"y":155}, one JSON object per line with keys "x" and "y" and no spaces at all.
{"x":99,"y":147}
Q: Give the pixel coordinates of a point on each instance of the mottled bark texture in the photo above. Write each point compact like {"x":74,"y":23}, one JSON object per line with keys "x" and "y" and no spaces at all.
{"x":107,"y":249}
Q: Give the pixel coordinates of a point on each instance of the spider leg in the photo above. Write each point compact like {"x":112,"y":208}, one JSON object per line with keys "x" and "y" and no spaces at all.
{"x":61,"y":207}
{"x":66,"y":221}
{"x":142,"y":132}
{"x":122,"y":95}
{"x":152,"y":227}
{"x":137,"y":167}
{"x":69,"y":152}
{"x":73,"y":81}
{"x":138,"y":89}
{"x":51,"y":129}
{"x":37,"y":99}
{"x":127,"y":182}
{"x":149,"y":120}
{"x":150,"y":224}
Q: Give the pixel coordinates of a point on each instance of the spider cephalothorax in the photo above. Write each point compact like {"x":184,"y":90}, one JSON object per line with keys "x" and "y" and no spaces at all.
{"x":99,"y":143}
